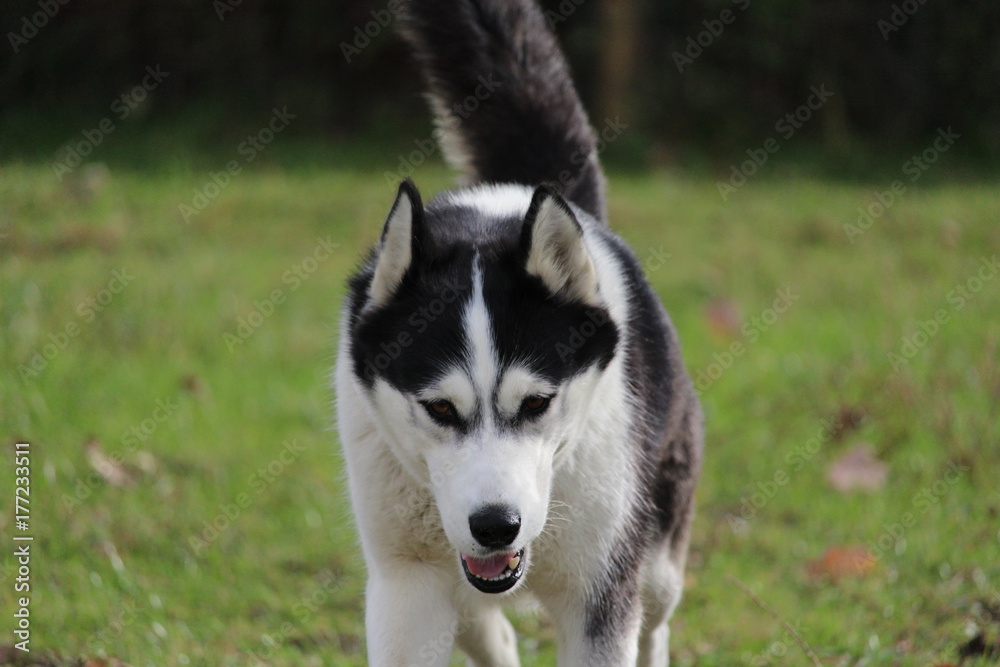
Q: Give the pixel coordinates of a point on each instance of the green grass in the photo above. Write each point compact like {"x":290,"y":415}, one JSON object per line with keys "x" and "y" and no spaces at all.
{"x":115,"y":570}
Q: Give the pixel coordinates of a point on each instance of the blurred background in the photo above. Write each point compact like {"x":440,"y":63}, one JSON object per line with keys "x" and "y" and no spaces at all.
{"x":899,"y":71}
{"x":812,"y":187}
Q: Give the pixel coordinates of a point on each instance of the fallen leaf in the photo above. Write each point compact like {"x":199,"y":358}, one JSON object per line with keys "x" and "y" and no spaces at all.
{"x":858,"y":468}
{"x":847,"y":419}
{"x":113,"y":472}
{"x":842,"y":561}
{"x":69,"y":239}
{"x":724,"y":319}
{"x":10,"y":655}
{"x":192,"y":384}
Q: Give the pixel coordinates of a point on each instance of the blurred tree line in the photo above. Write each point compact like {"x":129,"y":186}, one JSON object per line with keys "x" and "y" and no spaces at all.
{"x":705,"y":73}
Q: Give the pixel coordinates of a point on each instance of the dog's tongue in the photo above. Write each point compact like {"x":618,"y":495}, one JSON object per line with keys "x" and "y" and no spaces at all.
{"x":487,"y":568}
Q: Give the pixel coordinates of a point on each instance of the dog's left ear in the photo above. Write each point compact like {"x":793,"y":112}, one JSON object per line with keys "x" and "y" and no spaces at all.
{"x":555,"y":251}
{"x":399,"y":245}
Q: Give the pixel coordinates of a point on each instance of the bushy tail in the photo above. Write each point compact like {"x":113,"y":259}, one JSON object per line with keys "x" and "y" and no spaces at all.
{"x":502,"y":96}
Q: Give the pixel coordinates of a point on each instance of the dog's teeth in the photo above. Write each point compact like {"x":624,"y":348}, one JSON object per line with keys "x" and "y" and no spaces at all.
{"x":514,"y":562}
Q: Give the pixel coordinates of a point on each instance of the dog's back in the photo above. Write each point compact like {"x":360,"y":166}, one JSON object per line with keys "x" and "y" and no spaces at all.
{"x":511,"y":395}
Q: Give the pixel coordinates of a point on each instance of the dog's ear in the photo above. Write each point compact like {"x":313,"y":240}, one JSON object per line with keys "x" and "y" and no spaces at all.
{"x":399,"y":246}
{"x":554,"y":249}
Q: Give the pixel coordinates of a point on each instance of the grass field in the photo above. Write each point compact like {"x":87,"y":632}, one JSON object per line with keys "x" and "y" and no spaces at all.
{"x":197,"y":354}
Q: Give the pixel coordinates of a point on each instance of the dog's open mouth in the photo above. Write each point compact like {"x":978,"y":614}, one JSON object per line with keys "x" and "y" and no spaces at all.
{"x":495,"y":574}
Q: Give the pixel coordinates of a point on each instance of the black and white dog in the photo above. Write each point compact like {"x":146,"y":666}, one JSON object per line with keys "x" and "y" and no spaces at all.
{"x":515,"y":415}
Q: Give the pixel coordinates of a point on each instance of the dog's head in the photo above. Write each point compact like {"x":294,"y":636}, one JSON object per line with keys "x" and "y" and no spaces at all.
{"x":479,"y":333}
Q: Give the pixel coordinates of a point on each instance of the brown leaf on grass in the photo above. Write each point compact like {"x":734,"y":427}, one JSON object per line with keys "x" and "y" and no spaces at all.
{"x":838,"y":562}
{"x":724,"y":319}
{"x":114,"y":472}
{"x":858,"y":468}
{"x":847,"y":419}
{"x":193,"y":384}
{"x":70,"y":239}
{"x":12,"y":656}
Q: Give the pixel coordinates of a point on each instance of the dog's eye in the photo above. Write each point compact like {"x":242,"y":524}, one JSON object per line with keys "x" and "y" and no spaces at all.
{"x":441,"y":407}
{"x":441,"y":410}
{"x":535,"y":405}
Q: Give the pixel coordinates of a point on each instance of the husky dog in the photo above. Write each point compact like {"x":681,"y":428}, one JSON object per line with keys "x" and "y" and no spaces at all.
{"x":515,"y":415}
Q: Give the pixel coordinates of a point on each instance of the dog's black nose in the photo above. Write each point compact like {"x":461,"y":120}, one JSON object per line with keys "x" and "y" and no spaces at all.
{"x":495,"y":526}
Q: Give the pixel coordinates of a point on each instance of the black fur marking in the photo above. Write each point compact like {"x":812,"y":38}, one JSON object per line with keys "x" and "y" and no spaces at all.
{"x":671,"y":421}
{"x":419,"y":333}
{"x":668,"y":452}
{"x":614,"y":599}
{"x":497,"y":69}
{"x":553,"y":337}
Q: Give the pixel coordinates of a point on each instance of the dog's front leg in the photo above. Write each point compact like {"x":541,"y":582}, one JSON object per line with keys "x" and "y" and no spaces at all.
{"x":601,"y":630}
{"x":409,"y":616}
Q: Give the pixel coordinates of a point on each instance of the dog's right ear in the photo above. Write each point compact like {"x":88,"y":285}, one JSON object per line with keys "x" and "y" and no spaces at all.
{"x":399,"y":246}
